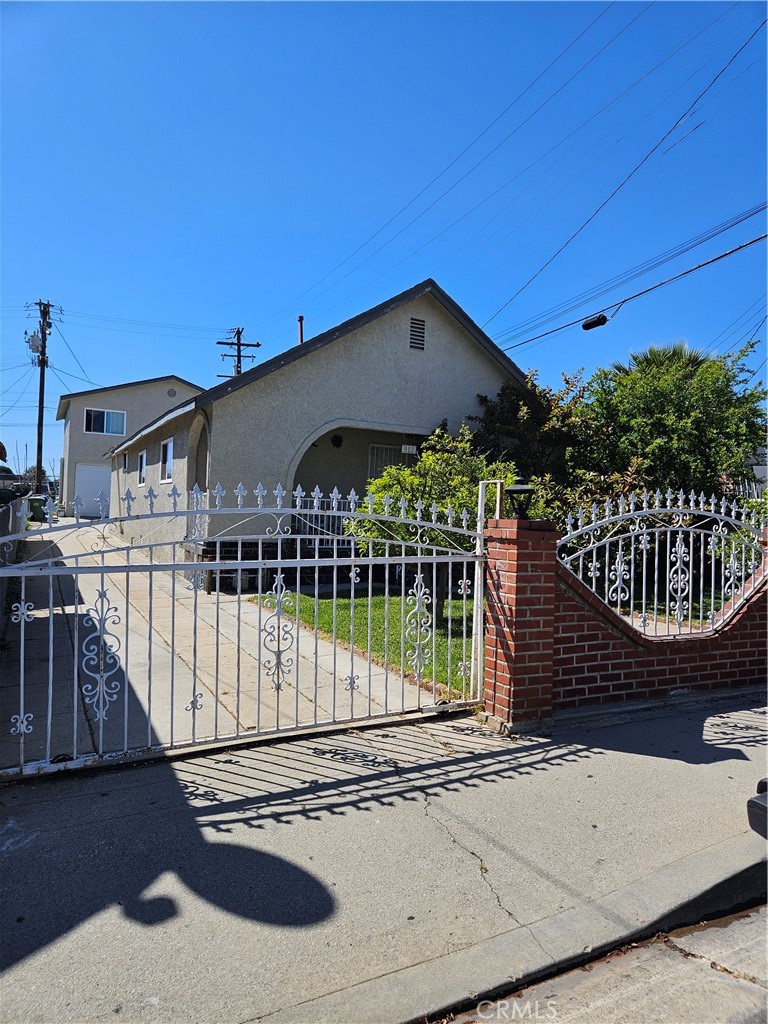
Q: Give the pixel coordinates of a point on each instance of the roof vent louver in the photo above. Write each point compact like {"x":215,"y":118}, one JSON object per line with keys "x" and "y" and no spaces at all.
{"x":418,"y":333}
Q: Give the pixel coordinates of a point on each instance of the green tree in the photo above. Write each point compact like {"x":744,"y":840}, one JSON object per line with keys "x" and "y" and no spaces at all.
{"x":682,"y":420}
{"x":447,"y":473}
{"x":534,"y":428}
{"x":676,"y":353}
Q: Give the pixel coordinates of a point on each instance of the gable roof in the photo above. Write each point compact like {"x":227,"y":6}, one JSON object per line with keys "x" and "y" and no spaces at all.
{"x":232,"y":384}
{"x":64,"y":400}
{"x":428,"y":287}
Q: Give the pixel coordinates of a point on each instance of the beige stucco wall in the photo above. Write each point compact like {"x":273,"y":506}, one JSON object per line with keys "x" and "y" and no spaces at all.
{"x":140,"y":403}
{"x":140,"y":529}
{"x":346,"y":467}
{"x":369,"y":380}
{"x":369,"y":386}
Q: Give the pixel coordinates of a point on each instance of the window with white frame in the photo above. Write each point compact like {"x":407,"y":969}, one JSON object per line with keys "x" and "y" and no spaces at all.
{"x":142,"y":467}
{"x":125,"y":462}
{"x":104,"y":421}
{"x":166,"y":460}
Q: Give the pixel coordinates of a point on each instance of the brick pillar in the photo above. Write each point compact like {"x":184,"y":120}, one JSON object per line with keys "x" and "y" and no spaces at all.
{"x":519,"y":623}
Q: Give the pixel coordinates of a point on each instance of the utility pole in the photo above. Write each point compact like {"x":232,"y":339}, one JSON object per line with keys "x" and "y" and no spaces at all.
{"x":235,"y":340}
{"x":44,"y":309}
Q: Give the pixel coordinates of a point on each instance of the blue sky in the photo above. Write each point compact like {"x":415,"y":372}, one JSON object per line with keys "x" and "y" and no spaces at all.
{"x":173,"y":170}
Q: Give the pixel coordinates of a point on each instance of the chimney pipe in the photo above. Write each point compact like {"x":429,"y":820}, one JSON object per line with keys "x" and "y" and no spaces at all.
{"x":301,"y":329}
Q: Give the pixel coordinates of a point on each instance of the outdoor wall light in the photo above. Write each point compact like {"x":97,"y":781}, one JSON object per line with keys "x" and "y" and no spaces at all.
{"x":520,"y":495}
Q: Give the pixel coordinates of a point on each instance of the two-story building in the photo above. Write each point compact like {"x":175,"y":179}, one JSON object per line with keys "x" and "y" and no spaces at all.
{"x":95,"y":420}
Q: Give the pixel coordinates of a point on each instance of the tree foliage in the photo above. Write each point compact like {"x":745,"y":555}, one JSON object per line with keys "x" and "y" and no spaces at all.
{"x":680,"y":419}
{"x":534,"y":428}
{"x":670,"y":417}
{"x":446,"y":474}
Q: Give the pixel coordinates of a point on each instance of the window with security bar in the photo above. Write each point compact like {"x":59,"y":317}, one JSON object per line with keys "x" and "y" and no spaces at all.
{"x":382,"y":455}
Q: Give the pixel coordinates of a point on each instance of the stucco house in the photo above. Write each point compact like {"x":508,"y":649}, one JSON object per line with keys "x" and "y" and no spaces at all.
{"x":94,"y":419}
{"x":332,"y":412}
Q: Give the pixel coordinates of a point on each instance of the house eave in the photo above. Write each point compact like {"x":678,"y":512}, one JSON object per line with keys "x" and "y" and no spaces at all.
{"x":150,"y":427}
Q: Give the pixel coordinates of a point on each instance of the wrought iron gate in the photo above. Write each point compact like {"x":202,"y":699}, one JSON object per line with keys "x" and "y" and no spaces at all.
{"x":172,"y":629}
{"x":669,"y":563}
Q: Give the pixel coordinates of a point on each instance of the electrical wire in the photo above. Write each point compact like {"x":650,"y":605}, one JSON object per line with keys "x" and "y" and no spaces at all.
{"x":10,"y":387}
{"x":73,"y":354}
{"x":62,"y":382}
{"x":145,"y":323}
{"x":598,"y":291}
{"x":732,"y":327}
{"x":546,"y":190}
{"x":637,"y":295}
{"x":629,"y":177}
{"x":466,"y":174}
{"x":14,"y":404}
{"x":68,"y":374}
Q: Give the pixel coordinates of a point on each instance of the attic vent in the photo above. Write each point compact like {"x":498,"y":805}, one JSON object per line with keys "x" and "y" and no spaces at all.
{"x":418,"y":331}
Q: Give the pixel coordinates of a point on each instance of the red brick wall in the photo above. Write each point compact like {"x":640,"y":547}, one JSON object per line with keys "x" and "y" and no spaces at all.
{"x":552,"y":645}
{"x":520,"y":608}
{"x":598,"y":658}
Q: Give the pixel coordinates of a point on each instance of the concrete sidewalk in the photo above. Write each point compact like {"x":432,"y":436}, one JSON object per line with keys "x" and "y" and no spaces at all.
{"x":370,"y":876}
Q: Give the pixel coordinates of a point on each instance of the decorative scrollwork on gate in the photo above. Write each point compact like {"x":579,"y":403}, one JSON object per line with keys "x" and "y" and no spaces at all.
{"x":691,"y":561}
{"x":22,"y":724}
{"x":22,"y":611}
{"x":418,"y":623}
{"x":100,"y":658}
{"x":618,"y":576}
{"x":278,"y":632}
{"x":679,"y":580}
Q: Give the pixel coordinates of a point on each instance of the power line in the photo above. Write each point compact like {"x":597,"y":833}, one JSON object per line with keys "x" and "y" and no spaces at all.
{"x":637,"y":295}
{"x":10,"y":387}
{"x":144,"y":323}
{"x":26,"y":388}
{"x":73,"y":354}
{"x":55,"y":373}
{"x":126,"y":330}
{"x":574,"y":132}
{"x":568,"y":305}
{"x":471,"y":169}
{"x":727,"y":331}
{"x":73,"y":375}
{"x":628,"y":178}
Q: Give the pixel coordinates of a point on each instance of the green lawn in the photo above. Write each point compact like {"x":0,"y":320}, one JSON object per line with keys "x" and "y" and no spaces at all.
{"x":385,"y":622}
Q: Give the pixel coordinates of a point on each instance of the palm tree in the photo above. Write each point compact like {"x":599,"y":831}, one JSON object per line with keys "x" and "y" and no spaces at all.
{"x":661,"y":357}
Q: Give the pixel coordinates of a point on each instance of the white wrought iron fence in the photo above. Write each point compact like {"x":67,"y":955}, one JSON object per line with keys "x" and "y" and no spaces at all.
{"x":122,"y":650}
{"x":668,"y":563}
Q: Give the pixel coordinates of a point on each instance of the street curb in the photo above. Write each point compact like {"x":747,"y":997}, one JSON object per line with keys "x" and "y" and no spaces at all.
{"x":710,"y":883}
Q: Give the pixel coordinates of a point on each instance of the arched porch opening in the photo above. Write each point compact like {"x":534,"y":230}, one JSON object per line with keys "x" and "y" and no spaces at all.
{"x":199,"y":453}
{"x":348,"y":457}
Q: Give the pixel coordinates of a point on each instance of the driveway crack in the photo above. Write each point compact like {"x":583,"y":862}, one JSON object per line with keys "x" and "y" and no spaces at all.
{"x":483,"y":868}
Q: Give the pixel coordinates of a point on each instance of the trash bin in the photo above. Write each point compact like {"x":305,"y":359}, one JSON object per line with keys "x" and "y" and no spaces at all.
{"x":36,"y":502}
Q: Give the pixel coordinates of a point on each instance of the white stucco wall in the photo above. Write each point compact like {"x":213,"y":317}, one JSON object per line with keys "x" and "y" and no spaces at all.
{"x":370,"y":379}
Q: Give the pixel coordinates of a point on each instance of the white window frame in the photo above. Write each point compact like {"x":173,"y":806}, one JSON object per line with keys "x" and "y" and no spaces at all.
{"x":141,"y":470}
{"x":169,"y":478}
{"x":118,"y":412}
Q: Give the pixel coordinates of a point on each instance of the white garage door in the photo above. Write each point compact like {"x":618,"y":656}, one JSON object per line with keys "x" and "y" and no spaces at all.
{"x":89,"y":481}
